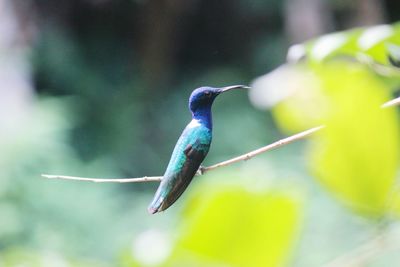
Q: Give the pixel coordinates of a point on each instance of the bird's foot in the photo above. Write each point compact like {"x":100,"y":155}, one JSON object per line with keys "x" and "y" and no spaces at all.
{"x":200,"y":171}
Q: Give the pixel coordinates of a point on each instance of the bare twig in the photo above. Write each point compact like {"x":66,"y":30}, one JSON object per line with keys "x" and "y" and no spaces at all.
{"x":261,"y":150}
{"x":383,"y":241}
{"x":391,"y":103}
{"x":106,"y":180}
{"x":360,"y":255}
{"x":202,"y":170}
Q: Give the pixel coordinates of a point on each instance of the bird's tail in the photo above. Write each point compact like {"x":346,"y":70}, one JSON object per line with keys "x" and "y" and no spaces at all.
{"x":156,"y":204}
{"x":167,"y":194}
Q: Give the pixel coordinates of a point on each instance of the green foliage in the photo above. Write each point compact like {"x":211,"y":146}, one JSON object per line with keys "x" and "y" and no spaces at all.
{"x":295,"y":113}
{"x":114,"y":124}
{"x":229,"y":224}
{"x":369,"y":42}
{"x":51,"y":217}
{"x":356,"y":156}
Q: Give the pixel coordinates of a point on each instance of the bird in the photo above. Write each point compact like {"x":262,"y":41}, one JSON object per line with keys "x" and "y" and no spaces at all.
{"x":191,"y":148}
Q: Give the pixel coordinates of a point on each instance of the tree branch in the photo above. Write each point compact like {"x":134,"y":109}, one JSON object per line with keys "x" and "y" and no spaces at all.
{"x":106,"y":180}
{"x":264,"y":149}
{"x":203,"y":170}
{"x":391,"y":103}
{"x":383,"y":241}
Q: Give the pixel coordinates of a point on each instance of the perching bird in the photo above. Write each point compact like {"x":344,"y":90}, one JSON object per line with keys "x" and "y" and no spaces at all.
{"x":191,"y":148}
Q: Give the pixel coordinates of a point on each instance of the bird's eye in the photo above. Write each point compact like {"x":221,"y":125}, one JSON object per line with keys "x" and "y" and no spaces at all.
{"x":207,"y":93}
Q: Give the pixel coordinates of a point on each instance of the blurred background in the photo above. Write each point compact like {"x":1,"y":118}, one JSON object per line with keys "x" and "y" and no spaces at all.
{"x":99,"y":88}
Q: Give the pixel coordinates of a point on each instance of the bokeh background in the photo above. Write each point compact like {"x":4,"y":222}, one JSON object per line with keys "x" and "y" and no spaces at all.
{"x":99,"y":88}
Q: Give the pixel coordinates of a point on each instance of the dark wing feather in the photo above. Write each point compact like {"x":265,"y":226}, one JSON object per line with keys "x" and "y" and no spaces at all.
{"x":195,"y":155}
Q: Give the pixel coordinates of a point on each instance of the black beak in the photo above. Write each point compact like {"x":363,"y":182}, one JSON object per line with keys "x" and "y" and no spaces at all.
{"x":224,"y":89}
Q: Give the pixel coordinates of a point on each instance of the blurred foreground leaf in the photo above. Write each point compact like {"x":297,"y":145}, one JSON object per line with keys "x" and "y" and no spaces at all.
{"x":296,"y":113}
{"x":232,"y":226}
{"x":356,"y":156}
{"x":373,"y":42}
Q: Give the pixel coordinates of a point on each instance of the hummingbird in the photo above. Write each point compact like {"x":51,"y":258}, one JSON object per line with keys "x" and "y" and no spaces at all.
{"x":190,"y":150}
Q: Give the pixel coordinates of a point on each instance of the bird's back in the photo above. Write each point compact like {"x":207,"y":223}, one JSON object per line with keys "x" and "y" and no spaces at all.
{"x":188,"y":154}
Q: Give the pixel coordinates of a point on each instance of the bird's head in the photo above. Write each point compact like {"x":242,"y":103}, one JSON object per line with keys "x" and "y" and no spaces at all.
{"x":203,"y":97}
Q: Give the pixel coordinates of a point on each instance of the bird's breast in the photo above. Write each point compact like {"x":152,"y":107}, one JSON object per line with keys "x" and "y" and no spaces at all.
{"x":193,"y":124}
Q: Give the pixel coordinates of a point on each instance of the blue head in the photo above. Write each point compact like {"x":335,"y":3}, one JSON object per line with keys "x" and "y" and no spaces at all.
{"x":201,"y":100}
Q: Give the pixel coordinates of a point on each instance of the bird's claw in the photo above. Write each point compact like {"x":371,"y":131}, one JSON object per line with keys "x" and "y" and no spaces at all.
{"x":200,"y":171}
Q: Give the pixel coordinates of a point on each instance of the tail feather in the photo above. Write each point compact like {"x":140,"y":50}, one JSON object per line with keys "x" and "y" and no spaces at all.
{"x":155,"y":205}
{"x":167,"y":193}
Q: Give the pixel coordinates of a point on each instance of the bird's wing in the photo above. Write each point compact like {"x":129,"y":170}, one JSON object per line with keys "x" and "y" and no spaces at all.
{"x":195,"y":152}
{"x":185,"y":161}
{"x":181,"y":179}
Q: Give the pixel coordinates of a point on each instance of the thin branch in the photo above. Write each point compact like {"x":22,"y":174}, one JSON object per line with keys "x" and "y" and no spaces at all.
{"x":391,"y":103}
{"x":202,"y":170}
{"x":380,"y":243}
{"x":264,"y":149}
{"x":106,"y":180}
{"x":360,"y":255}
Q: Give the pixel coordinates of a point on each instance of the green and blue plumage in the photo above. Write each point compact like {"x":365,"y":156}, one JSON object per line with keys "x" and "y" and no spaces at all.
{"x":190,"y":150}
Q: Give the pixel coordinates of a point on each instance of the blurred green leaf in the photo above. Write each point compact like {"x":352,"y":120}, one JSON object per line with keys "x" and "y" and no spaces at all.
{"x":356,"y":156}
{"x":394,"y":54}
{"x":295,"y":113}
{"x":229,"y":225}
{"x":394,"y":203}
{"x":368,"y":42}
